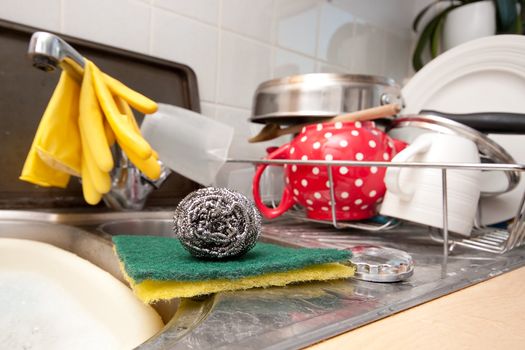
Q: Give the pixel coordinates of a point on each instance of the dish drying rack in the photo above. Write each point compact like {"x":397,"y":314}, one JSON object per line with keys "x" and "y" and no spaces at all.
{"x":488,"y":239}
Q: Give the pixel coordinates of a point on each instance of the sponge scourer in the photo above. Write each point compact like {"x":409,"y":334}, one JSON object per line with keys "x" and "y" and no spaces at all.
{"x":160,"y":268}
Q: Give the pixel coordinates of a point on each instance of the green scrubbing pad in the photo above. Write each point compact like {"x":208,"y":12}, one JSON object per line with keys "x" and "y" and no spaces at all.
{"x":164,"y":259}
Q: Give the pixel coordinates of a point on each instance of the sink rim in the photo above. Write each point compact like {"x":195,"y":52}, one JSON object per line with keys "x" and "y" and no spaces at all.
{"x":135,"y":226}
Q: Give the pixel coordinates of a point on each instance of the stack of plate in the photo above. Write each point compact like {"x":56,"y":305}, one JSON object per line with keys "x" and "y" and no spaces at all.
{"x":486,"y":74}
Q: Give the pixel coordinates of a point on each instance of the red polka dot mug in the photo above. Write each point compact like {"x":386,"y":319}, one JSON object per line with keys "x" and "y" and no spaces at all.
{"x":357,"y":189}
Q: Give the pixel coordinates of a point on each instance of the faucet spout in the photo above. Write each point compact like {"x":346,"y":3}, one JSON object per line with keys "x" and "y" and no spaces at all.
{"x":48,"y":52}
{"x":129,"y":187}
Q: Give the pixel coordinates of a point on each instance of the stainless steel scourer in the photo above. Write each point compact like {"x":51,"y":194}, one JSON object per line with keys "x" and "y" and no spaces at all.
{"x":217,"y":223}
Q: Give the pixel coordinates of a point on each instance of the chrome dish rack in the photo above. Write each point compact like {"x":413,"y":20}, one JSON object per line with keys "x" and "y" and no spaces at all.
{"x":488,"y":239}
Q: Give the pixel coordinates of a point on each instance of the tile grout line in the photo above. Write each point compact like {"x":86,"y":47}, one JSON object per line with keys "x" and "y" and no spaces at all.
{"x":318,"y":30}
{"x":150,"y":34}
{"x":273,"y":39}
{"x":218,"y":60}
{"x":61,"y":17}
{"x":193,"y":18}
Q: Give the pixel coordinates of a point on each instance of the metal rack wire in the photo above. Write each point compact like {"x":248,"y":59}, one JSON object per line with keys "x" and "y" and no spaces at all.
{"x":493,"y":240}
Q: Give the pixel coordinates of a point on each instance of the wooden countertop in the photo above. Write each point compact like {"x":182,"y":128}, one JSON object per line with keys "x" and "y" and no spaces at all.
{"x":489,"y":315}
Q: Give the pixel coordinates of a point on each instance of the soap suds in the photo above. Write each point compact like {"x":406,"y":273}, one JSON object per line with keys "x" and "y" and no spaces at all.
{"x":37,"y":313}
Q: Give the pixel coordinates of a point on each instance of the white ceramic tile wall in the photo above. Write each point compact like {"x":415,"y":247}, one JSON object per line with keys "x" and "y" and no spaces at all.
{"x":120,"y":23}
{"x":174,"y":37}
{"x":233,"y":45}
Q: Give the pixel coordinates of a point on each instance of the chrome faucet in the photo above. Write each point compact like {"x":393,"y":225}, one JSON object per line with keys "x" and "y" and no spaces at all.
{"x":129,"y":187}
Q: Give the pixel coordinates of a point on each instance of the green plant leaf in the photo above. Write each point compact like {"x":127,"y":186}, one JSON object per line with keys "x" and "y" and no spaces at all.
{"x":425,"y":37}
{"x":521,"y":26}
{"x":518,"y":28}
{"x":506,"y":14}
{"x":422,"y":13}
{"x":436,"y":37}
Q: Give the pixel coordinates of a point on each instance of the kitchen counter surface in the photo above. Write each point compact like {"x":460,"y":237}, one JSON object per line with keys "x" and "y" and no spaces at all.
{"x":489,"y":315}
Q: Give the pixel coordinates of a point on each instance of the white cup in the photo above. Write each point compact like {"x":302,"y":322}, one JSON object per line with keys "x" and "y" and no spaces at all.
{"x":415,"y":194}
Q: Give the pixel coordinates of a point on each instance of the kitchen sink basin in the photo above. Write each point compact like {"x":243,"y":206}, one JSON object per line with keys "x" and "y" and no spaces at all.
{"x":179,"y":316}
{"x":288,"y":317}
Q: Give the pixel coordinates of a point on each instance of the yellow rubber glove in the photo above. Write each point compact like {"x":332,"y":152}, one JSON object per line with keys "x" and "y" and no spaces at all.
{"x":78,"y":128}
{"x":60,"y":150}
{"x":59,"y":144}
{"x":88,"y":189}
{"x":91,"y":124}
{"x":150,"y":167}
{"x":138,"y":101}
{"x":120,"y":124}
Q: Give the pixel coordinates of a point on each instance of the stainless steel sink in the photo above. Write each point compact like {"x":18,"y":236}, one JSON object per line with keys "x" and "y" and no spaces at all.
{"x":285,"y":318}
{"x":180,"y":316}
{"x":154,"y":227}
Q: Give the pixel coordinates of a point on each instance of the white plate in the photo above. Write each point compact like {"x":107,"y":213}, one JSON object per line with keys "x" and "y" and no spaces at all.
{"x":53,"y":299}
{"x":486,"y":74}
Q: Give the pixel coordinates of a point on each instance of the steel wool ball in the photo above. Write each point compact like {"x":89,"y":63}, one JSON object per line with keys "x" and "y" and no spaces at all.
{"x":217,"y":223}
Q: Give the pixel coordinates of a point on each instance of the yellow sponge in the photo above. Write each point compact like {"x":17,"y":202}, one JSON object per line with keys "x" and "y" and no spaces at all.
{"x":150,"y":291}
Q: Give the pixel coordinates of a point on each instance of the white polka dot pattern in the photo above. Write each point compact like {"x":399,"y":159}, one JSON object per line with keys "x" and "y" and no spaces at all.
{"x":356,"y":190}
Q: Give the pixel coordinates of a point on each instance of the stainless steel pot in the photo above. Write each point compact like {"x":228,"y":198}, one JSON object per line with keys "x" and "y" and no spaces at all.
{"x":302,"y":98}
